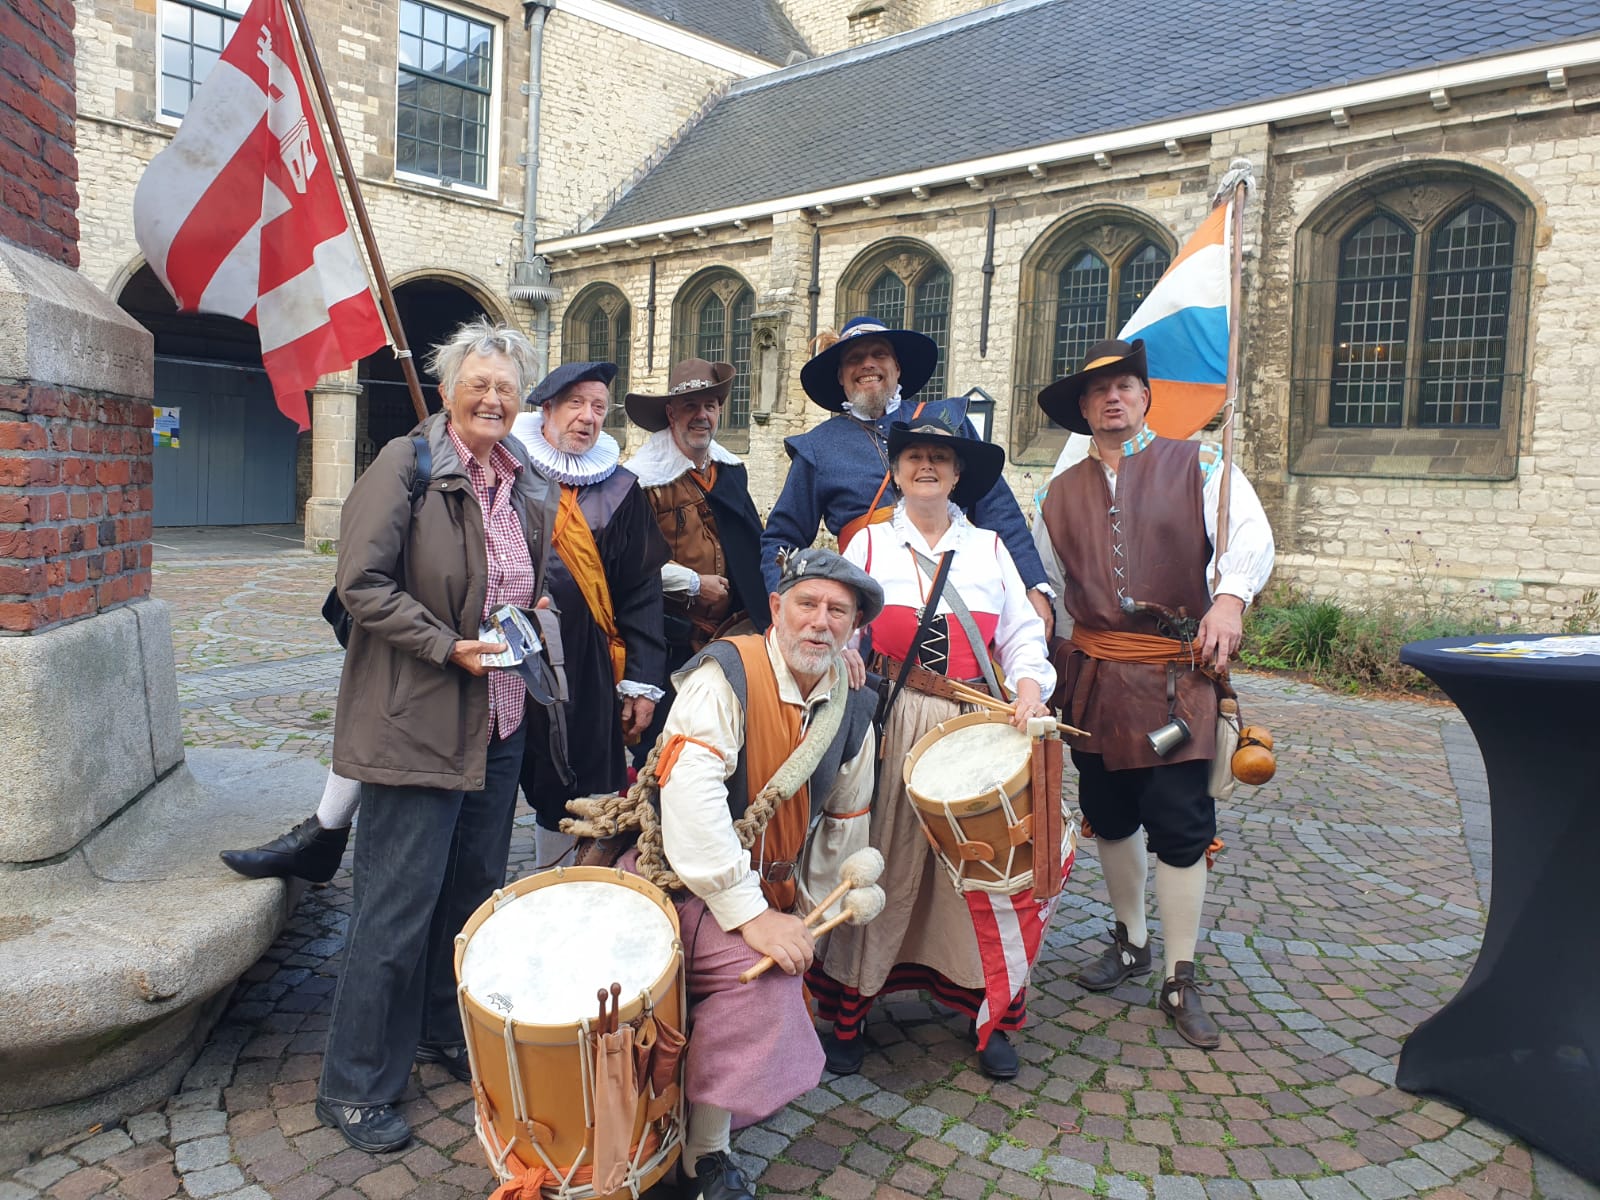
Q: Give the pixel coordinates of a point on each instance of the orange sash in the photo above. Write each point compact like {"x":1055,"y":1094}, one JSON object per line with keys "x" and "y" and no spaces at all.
{"x":1116,"y":646}
{"x":707,"y":479}
{"x":771,"y":732}
{"x":575,"y":544}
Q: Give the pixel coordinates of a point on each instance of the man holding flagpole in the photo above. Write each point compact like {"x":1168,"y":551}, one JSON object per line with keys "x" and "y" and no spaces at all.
{"x":1127,"y":539}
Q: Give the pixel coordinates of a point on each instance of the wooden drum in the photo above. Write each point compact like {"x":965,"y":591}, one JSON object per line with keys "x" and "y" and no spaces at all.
{"x":970,"y":779}
{"x":529,"y":963}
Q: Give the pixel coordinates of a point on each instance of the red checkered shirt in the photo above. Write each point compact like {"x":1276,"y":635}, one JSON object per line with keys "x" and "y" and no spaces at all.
{"x":510,"y":570}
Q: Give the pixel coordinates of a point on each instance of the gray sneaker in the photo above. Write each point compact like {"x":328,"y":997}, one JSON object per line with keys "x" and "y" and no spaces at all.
{"x":375,"y":1128}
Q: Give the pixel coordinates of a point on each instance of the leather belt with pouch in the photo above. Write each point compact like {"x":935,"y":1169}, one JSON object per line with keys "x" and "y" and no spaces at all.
{"x":920,"y":679}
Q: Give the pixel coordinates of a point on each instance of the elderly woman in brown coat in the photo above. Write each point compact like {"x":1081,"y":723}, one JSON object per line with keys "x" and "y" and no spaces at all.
{"x":433,"y":735}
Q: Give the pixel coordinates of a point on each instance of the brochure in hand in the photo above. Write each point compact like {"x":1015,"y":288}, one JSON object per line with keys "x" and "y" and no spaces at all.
{"x":512,"y":628}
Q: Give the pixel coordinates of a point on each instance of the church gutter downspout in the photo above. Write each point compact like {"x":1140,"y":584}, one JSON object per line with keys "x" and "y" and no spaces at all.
{"x":530,"y":277}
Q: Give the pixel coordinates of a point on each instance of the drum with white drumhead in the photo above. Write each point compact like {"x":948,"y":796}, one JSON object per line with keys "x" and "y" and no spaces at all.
{"x":529,"y":964}
{"x":970,"y":779}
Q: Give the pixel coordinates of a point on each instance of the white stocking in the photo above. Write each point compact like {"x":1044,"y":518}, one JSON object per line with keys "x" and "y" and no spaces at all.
{"x":340,"y":797}
{"x":1126,"y":865}
{"x":1181,"y":898}
{"x":552,"y":848}
{"x":709,"y":1129}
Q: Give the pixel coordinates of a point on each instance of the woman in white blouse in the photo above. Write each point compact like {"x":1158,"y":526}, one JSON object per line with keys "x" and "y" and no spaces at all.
{"x":924,"y":939}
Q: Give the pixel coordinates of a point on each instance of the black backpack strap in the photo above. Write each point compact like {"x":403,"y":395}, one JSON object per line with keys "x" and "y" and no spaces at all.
{"x":424,"y":475}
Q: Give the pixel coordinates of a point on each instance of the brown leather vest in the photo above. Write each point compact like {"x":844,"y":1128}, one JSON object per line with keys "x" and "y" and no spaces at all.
{"x":1150,"y":545}
{"x":690,"y":528}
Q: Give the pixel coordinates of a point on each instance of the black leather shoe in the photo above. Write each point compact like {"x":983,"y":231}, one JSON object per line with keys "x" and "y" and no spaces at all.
{"x":1119,"y":961}
{"x":308,"y":851}
{"x":452,"y":1058}
{"x":718,"y":1177}
{"x":998,"y":1060}
{"x":375,"y":1128}
{"x":1180,"y":1000}
{"x":843,"y":1057}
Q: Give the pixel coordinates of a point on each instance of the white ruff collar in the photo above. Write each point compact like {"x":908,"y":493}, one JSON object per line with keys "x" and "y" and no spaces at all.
{"x":659,"y":461}
{"x":592,"y":466}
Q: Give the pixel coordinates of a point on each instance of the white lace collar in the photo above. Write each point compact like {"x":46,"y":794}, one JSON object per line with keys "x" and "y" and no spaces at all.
{"x":592,"y":466}
{"x":659,"y":461}
{"x":908,"y":534}
{"x":888,"y":409}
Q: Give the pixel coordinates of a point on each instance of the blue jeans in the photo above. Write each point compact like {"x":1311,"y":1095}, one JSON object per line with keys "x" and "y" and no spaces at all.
{"x":425,"y":859}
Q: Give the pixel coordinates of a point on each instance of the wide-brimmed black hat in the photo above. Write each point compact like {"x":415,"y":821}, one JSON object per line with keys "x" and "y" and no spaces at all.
{"x":917,"y":353}
{"x":1060,"y":399}
{"x":567,"y":374}
{"x":692,"y":377}
{"x":981,"y":462}
{"x":797,"y":566}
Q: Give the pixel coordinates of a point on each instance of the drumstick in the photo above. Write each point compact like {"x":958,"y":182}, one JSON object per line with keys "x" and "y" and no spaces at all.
{"x":984,"y":700}
{"x":616,"y":1003}
{"x":600,"y":1025}
{"x":860,"y":906}
{"x":859,"y":870}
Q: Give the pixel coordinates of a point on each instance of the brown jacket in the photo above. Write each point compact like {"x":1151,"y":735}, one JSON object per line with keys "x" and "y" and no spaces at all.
{"x":414,"y":584}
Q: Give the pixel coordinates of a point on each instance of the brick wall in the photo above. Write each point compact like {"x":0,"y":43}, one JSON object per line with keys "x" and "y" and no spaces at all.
{"x":74,"y":505}
{"x":38,"y":173}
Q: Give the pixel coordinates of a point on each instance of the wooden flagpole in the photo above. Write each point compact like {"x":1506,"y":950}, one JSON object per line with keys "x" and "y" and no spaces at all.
{"x":391,"y":315}
{"x":1230,"y":406}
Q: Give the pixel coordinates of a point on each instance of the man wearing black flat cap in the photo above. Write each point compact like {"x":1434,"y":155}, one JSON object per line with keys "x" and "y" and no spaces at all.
{"x":605,"y":580}
{"x":1135,"y":524}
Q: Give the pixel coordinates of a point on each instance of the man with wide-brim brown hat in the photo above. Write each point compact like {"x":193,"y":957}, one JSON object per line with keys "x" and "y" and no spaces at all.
{"x":1133,"y":525}
{"x":867,"y":376}
{"x":700,"y":494}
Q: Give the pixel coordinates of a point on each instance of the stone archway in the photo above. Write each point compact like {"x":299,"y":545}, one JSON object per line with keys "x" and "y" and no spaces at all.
{"x":429,"y":307}
{"x":235,"y":459}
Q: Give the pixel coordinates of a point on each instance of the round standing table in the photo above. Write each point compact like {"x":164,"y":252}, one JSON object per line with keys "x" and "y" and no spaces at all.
{"x":1519,"y":1045}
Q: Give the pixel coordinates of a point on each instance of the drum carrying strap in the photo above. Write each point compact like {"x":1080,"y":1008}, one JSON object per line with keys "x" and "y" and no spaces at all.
{"x":980,"y":650}
{"x":929,"y":608}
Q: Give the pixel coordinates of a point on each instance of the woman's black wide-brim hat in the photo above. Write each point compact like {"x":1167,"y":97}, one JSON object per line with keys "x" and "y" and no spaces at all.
{"x":981,"y":462}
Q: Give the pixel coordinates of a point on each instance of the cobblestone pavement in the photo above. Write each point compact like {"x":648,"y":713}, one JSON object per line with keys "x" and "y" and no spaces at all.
{"x":1347,"y":907}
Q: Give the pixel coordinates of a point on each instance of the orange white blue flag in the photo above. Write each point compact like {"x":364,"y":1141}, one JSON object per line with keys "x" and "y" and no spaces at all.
{"x":1184,"y":324}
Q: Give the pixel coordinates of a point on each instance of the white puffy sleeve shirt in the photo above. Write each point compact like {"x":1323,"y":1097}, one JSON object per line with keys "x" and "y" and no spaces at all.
{"x":696,"y":828}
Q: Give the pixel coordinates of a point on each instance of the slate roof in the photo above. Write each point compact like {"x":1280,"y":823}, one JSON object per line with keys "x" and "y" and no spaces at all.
{"x":757,"y":27}
{"x":1028,"y":74}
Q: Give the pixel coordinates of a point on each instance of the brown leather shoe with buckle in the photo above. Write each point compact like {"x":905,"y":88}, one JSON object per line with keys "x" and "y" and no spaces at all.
{"x":1121,"y":960}
{"x":1180,"y":1000}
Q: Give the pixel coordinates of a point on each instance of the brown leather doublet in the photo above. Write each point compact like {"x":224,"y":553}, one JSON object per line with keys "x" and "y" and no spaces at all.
{"x":1150,"y":544}
{"x":690,"y":528}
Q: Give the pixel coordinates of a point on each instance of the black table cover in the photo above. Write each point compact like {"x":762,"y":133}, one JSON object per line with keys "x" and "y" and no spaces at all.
{"x":1519,"y":1045}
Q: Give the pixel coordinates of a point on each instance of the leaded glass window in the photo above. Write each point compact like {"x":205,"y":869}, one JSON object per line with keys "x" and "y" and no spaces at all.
{"x":713,"y":321}
{"x":1372,"y":325}
{"x":597,"y":330}
{"x":1468,"y":312}
{"x":913,"y":292}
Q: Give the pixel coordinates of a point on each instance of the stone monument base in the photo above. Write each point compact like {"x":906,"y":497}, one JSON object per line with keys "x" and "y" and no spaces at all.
{"x":121,"y":932}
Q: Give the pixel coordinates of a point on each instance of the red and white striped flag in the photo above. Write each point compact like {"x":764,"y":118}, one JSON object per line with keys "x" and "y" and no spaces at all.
{"x":240,"y":215}
{"x":1010,"y":932}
